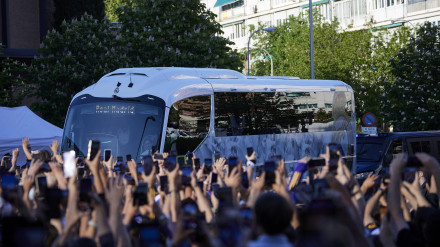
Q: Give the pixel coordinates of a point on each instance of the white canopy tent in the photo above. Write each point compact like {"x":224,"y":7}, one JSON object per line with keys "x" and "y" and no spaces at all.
{"x":20,"y":122}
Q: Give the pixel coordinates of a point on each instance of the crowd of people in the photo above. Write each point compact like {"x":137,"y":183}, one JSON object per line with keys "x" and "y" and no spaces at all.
{"x":162,"y":202}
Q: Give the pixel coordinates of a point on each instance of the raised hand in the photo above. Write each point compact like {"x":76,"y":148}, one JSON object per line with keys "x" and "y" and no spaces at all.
{"x":133,"y":171}
{"x":368,"y":182}
{"x":200,"y":174}
{"x":25,"y":144}
{"x":94,"y":164}
{"x":72,"y":212}
{"x":219,"y":167}
{"x":115,"y":191}
{"x":151,"y":178}
{"x":54,"y":147}
{"x":259,"y":183}
{"x":59,"y":175}
{"x":233,"y":179}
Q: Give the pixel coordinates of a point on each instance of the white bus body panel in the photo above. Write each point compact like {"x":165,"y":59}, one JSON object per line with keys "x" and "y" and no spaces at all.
{"x":174,"y":84}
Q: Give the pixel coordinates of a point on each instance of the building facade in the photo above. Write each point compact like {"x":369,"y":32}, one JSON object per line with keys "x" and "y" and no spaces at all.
{"x":237,"y":15}
{"x":23,"y":25}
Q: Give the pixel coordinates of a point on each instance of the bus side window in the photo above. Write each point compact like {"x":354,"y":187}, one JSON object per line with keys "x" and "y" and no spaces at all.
{"x":394,"y":149}
{"x":188,"y":124}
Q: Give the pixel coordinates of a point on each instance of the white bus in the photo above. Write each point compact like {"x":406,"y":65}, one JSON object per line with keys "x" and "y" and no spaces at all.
{"x":138,"y":110}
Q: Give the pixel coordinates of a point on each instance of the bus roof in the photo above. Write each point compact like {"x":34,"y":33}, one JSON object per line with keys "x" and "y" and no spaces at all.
{"x":172,"y":83}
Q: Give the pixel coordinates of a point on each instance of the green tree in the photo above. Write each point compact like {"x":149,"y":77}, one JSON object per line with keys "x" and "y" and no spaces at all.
{"x":374,"y":74}
{"x":72,"y":59}
{"x":359,"y":58}
{"x":337,"y":55}
{"x":412,"y":101}
{"x":111,"y":6}
{"x":14,"y":84}
{"x":170,"y":33}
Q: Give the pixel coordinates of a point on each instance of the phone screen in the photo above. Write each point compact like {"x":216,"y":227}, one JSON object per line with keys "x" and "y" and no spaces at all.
{"x":214,"y":177}
{"x":85,"y":187}
{"x":250,"y":150}
{"x":410,"y":174}
{"x":128,"y":157}
{"x":245,"y":180}
{"x":334,"y":156}
{"x":413,"y":161}
{"x":208,"y":166}
{"x":41,"y":184}
{"x":163,"y":182}
{"x":197,"y":164}
{"x":69,"y":163}
{"x":94,"y":147}
{"x":158,"y":156}
{"x":140,"y":194}
{"x":232,"y":163}
{"x":148,"y":164}
{"x":181,"y":160}
{"x":107,"y":154}
{"x":316,"y":162}
{"x":53,"y":201}
{"x":269,"y":168}
{"x":216,"y":155}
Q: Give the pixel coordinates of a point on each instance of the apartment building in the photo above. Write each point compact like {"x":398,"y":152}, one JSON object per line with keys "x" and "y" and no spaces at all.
{"x":237,"y":15}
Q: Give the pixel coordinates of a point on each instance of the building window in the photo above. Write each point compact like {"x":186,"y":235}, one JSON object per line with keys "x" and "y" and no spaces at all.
{"x":233,"y":5}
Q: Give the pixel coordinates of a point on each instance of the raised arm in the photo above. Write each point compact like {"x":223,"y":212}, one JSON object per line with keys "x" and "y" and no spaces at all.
{"x":396,"y":168}
{"x":174,"y":192}
{"x":202,"y":203}
{"x":94,"y":168}
{"x":368,"y":218}
{"x":25,"y":144}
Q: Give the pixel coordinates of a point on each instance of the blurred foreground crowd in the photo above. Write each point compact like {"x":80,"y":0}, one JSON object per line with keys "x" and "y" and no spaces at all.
{"x":166,"y":200}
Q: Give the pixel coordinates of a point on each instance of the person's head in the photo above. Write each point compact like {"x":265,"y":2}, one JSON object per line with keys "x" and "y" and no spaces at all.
{"x":273,"y":213}
{"x":45,"y":155}
{"x":124,"y":135}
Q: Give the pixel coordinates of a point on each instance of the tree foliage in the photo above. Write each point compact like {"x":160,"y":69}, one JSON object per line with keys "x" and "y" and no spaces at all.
{"x":111,"y":7}
{"x":72,"y":59}
{"x":14,"y":84}
{"x":170,"y":33}
{"x":359,"y":58}
{"x":412,"y":101}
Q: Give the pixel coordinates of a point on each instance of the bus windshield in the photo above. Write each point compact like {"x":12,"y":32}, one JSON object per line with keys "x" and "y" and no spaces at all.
{"x":125,"y":126}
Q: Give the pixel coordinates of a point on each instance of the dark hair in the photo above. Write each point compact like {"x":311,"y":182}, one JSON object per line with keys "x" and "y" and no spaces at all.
{"x":273,"y":213}
{"x":45,"y":155}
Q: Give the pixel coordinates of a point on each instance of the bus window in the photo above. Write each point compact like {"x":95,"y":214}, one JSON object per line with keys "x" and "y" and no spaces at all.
{"x":394,"y":149}
{"x":188,"y":124}
{"x":420,"y":146}
{"x":252,"y":113}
